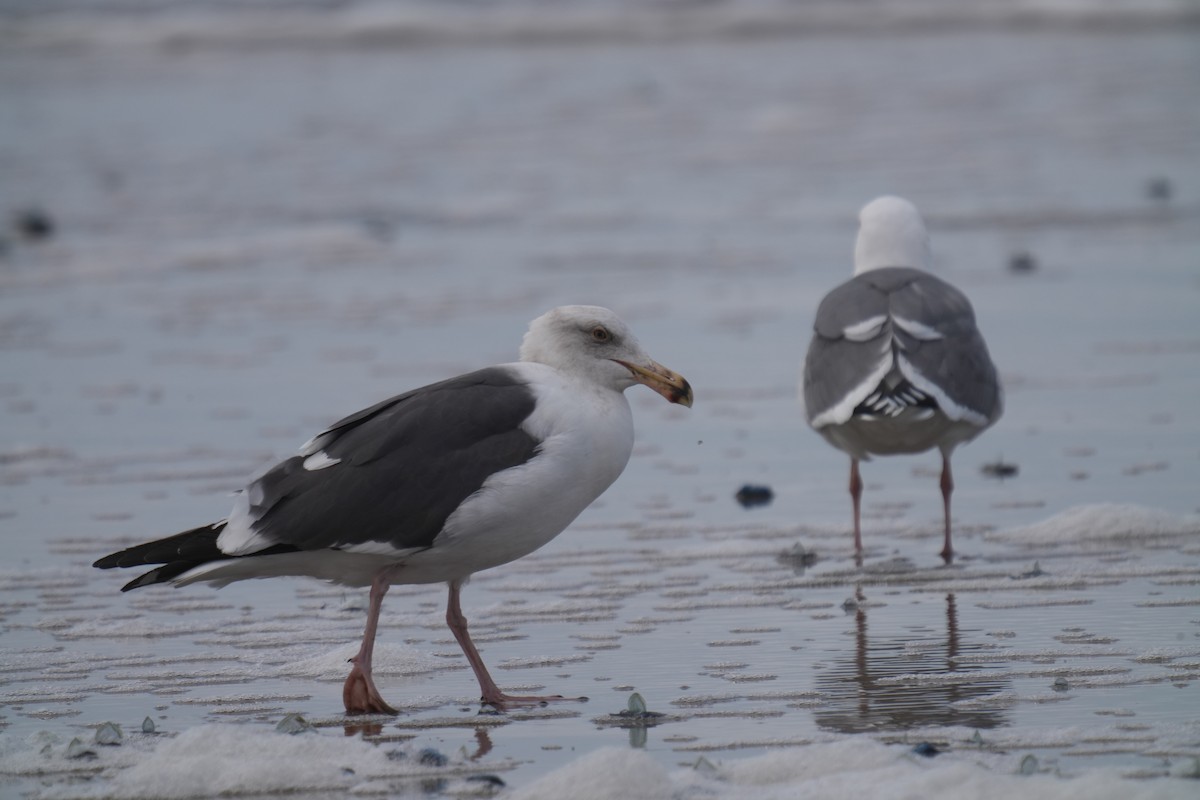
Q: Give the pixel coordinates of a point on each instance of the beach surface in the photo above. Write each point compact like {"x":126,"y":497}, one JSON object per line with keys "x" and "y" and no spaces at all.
{"x":266,"y":217}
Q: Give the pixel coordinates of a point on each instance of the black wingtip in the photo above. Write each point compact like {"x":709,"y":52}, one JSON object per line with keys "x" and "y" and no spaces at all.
{"x":146,"y":579}
{"x":176,"y":554}
{"x":198,"y":544}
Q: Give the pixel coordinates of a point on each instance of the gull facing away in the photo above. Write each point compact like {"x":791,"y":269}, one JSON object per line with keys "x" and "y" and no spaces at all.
{"x":435,"y":484}
{"x":896,"y":363}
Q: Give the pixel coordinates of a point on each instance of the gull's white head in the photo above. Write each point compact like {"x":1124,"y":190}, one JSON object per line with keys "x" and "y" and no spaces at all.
{"x":593,"y":343}
{"x":891,"y":233}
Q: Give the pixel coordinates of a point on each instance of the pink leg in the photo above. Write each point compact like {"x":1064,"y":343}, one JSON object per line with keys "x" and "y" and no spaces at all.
{"x":947,"y":488}
{"x":359,"y":693}
{"x":856,"y":487}
{"x":489,"y":691}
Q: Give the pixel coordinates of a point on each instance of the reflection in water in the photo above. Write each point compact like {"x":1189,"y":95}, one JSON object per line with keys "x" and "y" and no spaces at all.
{"x":352,"y":729}
{"x":637,"y":738}
{"x":858,"y":702}
{"x":485,"y":744}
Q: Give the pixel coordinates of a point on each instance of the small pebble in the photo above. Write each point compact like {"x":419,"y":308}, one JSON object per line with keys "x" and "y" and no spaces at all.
{"x":926,"y":749}
{"x":1029,"y":765}
{"x":33,"y":224}
{"x":636,"y":709}
{"x":1036,"y":572}
{"x":1158,"y":189}
{"x":1022,"y":262}
{"x":379,"y":227}
{"x":797,"y":558}
{"x":493,"y":781}
{"x":999,"y":469}
{"x":77,"y":749}
{"x":293,"y":724}
{"x":432,"y":758}
{"x":147,"y":725}
{"x":109,"y":734}
{"x":1060,"y":684}
{"x":750,"y":496}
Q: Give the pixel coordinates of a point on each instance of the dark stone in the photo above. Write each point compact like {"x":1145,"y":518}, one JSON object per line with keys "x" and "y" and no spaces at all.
{"x":999,"y":469}
{"x":33,"y":224}
{"x":1022,"y":262}
{"x":1158,"y":189}
{"x":750,"y":495}
{"x":432,"y":758}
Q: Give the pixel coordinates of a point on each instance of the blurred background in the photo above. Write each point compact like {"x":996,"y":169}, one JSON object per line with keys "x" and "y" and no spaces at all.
{"x":259,"y":215}
{"x":226,"y":224}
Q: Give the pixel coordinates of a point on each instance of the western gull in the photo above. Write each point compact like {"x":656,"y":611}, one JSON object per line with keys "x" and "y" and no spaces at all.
{"x":896,"y":363}
{"x":435,"y":484}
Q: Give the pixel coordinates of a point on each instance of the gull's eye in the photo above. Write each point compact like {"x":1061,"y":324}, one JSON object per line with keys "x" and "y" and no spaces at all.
{"x":600,"y":334}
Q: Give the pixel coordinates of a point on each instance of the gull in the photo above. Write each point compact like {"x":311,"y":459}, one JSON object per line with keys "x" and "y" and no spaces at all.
{"x":435,"y":484}
{"x":896,"y":363}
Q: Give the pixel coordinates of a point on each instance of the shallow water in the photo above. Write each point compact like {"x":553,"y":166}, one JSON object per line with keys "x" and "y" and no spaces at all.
{"x":252,"y":244}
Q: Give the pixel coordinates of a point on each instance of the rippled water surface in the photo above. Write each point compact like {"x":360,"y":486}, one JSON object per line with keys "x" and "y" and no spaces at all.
{"x":251,"y":243}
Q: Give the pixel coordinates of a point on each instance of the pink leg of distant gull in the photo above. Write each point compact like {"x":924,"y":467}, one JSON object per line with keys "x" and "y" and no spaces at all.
{"x":856,"y":487}
{"x":947,"y":484}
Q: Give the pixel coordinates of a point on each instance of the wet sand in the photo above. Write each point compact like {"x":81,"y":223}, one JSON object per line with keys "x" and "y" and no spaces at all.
{"x":251,"y":244}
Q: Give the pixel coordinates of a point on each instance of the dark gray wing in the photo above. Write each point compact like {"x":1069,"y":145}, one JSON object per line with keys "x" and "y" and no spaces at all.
{"x":847,"y":348}
{"x":956,"y":360}
{"x":861,"y":325}
{"x":403,"y":465}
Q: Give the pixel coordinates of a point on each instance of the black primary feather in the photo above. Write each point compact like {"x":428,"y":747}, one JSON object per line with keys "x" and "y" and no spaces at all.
{"x":892,"y":401}
{"x":400,"y":469}
{"x":177,"y":554}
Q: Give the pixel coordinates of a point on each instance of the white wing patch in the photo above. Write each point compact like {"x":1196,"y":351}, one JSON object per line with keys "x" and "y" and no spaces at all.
{"x":315,"y":444}
{"x":239,"y":537}
{"x":320,"y":460}
{"x":866,"y":330}
{"x":917,"y":330}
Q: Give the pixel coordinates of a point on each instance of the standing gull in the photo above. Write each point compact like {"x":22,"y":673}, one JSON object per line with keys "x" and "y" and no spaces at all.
{"x":896,"y":363}
{"x":435,"y":484}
